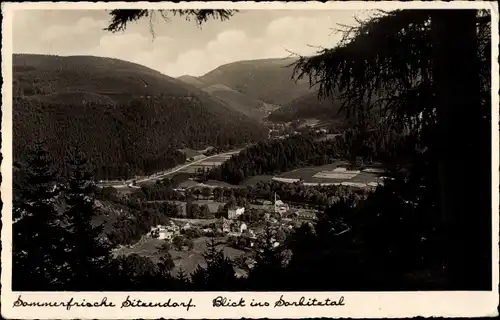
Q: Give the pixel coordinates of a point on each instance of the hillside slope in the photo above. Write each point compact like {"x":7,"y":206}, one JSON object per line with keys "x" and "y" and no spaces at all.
{"x":194,"y":81}
{"x":126,"y":118}
{"x":238,"y":101}
{"x":268,"y":80}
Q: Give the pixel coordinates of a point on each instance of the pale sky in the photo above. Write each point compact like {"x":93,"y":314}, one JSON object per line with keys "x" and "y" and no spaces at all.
{"x":180,"y":47}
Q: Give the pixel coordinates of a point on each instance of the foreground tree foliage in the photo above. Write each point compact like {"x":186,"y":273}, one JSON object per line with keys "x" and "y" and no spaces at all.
{"x":121,"y":17}
{"x":427,"y":74}
{"x":89,"y":251}
{"x":40,"y":249}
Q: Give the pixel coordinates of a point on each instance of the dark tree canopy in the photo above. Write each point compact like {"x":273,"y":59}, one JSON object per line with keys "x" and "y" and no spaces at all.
{"x":382,"y":68}
{"x":426,"y":74}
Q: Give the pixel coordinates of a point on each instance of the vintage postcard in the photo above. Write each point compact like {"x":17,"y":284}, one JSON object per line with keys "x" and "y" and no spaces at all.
{"x":226,"y":160}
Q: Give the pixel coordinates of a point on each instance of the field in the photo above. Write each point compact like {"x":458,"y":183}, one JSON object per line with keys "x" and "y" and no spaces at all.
{"x":313,"y":123}
{"x":193,"y":153}
{"x":220,"y":184}
{"x":209,"y":162}
{"x":187,"y":260}
{"x":332,"y":174}
{"x":198,"y":222}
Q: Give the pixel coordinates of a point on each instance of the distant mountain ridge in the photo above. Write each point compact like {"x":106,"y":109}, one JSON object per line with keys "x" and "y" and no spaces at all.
{"x":253,"y":87}
{"x":267,"y":80}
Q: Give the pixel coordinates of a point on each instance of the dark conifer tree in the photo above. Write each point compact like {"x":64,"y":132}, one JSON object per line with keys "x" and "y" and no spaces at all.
{"x":219,"y":273}
{"x":268,"y":269}
{"x":182,"y":278}
{"x":89,"y":249}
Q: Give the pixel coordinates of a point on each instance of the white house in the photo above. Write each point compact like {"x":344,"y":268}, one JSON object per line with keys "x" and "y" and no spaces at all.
{"x":234,"y":213}
{"x":243,"y":227}
{"x":280,"y":207}
{"x":165,"y":235}
{"x":165,"y":232}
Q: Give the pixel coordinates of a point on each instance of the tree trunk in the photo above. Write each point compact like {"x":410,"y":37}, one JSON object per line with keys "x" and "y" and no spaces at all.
{"x":464,"y":149}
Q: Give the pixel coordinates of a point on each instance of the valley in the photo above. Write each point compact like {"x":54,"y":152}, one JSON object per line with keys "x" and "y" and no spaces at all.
{"x":159,"y":140}
{"x":222,"y":157}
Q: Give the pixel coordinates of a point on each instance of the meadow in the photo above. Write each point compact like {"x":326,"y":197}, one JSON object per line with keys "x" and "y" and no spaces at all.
{"x":334,"y":173}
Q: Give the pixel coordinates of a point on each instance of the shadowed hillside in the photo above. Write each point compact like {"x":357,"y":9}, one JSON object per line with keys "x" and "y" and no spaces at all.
{"x":309,"y":106}
{"x":237,"y":100}
{"x":127,"y":119}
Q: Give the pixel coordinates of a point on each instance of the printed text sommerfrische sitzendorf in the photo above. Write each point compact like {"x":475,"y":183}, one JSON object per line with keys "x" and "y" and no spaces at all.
{"x":104,"y":303}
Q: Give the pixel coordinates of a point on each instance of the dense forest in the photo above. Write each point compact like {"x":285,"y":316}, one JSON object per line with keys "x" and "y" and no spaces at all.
{"x":123,"y":130}
{"x":315,"y":196}
{"x":274,"y":157}
{"x":277,"y":156}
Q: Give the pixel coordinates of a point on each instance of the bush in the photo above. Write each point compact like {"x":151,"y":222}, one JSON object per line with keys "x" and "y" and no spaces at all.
{"x":178,"y":242}
{"x":189,"y":243}
{"x":192,"y":233}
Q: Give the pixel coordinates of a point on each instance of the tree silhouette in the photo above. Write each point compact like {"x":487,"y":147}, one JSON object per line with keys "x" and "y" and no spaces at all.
{"x":219,"y":273}
{"x":206,"y":192}
{"x":268,"y":270}
{"x":182,"y":278}
{"x":405,"y":70}
{"x":89,"y":251}
{"x":121,"y":17}
{"x":40,"y":247}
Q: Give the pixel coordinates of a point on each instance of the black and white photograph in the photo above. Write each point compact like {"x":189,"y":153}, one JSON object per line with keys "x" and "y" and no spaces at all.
{"x":237,"y":149}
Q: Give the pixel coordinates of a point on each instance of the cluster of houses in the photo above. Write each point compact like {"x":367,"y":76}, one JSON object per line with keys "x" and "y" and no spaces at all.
{"x":283,"y":210}
{"x":231,"y":227}
{"x":166,"y":232}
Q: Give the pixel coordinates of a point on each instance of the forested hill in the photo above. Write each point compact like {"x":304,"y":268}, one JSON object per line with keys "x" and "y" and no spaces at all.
{"x":268,"y":80}
{"x":278,"y":156}
{"x":126,"y":118}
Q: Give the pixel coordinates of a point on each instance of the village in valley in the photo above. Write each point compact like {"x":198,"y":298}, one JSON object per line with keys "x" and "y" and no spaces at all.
{"x":237,"y":228}
{"x":237,"y":217}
